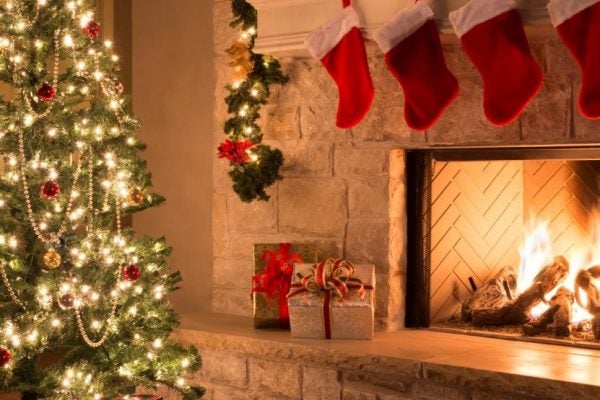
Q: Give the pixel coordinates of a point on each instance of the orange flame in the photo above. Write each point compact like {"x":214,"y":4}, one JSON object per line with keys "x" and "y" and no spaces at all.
{"x":537,"y":252}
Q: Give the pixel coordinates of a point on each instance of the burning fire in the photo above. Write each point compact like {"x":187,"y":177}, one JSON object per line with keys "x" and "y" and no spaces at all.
{"x":537,"y":253}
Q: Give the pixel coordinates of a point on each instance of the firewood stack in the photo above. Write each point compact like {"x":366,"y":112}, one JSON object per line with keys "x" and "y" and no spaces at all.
{"x":493,"y":304}
{"x":585,"y":282}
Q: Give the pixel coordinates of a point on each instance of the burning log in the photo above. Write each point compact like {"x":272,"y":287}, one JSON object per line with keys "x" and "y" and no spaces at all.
{"x":585,"y":281}
{"x":559,"y":315}
{"x":495,"y":293}
{"x":517,"y":311}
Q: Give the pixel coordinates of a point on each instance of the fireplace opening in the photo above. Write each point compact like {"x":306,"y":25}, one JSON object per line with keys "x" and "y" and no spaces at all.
{"x":505,"y":243}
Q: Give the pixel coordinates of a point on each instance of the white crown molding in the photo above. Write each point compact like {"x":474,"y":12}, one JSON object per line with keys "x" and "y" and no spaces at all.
{"x":284,"y":24}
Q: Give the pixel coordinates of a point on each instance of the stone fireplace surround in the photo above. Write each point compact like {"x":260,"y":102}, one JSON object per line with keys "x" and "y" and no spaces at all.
{"x":345,"y":190}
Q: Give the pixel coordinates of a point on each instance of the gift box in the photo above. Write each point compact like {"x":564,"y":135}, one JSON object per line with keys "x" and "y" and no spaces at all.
{"x":332,"y":300}
{"x":271,"y":280}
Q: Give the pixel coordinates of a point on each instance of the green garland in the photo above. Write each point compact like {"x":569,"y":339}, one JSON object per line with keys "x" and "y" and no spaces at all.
{"x":254,"y":166}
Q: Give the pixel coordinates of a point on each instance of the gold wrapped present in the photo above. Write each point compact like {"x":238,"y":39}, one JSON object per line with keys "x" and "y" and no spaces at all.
{"x":271,"y":281}
{"x":332,"y":300}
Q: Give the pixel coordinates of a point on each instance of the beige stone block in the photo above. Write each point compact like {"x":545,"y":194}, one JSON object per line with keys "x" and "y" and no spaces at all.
{"x":395,"y":396}
{"x":221,"y":181}
{"x":558,"y":58}
{"x":356,"y":394}
{"x":397,"y":167}
{"x":541,"y":126}
{"x":228,"y":393}
{"x":539,"y":51}
{"x":329,"y":249}
{"x":275,"y":377}
{"x":309,"y":83}
{"x":383,"y":123}
{"x":382,"y":295}
{"x":368,"y":197}
{"x":255,"y":217}
{"x":457,"y":60}
{"x":397,"y":197}
{"x":317,"y":122}
{"x":379,"y":379}
{"x":367,"y":242}
{"x":313,"y":207}
{"x":222,"y":75}
{"x":361,"y":161}
{"x":320,"y":384}
{"x":280,"y":123}
{"x":426,"y":390}
{"x":464,"y":122}
{"x":232,"y":273}
{"x":223,"y":34}
{"x":489,"y":395}
{"x":223,"y":368}
{"x":585,"y":129}
{"x":232,"y":301}
{"x":219,"y":218}
{"x":305,"y":158}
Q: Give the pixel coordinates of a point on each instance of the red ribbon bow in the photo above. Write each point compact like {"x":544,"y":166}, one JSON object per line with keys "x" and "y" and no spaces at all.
{"x":334,"y":278}
{"x":275,"y":280}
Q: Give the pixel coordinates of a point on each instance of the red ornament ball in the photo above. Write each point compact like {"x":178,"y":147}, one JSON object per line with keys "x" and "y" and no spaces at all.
{"x":46,"y":93}
{"x":5,"y":357}
{"x":50,"y":190}
{"x":92,"y":29}
{"x":66,"y":301}
{"x":131,"y":272}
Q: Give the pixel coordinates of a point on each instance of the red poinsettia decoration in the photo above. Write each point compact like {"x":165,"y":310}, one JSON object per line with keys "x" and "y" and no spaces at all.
{"x":235,"y":151}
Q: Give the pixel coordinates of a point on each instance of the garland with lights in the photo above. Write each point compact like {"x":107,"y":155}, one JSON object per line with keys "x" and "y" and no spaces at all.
{"x":83,"y":309}
{"x":254,"y":166}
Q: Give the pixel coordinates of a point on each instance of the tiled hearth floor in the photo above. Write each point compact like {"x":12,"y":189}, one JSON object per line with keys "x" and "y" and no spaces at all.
{"x":433,"y":351}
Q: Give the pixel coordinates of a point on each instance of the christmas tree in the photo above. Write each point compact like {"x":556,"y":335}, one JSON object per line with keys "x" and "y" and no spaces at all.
{"x":83,"y":307}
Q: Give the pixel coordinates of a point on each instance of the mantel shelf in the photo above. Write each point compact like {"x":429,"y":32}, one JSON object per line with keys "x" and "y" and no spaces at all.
{"x":282,"y":32}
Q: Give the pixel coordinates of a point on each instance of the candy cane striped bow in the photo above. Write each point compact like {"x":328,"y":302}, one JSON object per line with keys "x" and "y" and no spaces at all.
{"x":335,"y":276}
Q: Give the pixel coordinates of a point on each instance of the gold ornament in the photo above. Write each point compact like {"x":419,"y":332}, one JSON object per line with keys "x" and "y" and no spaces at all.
{"x":238,"y":51}
{"x":52,"y":259}
{"x":241,"y":63}
{"x":136,"y":196}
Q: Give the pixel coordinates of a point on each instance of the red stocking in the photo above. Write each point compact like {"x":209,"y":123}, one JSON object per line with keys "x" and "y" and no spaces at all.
{"x":414,"y":55}
{"x":578,"y":25}
{"x":492,"y":35}
{"x":340,"y":47}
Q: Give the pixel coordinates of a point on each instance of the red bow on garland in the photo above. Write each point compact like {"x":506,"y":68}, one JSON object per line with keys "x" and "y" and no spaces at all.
{"x":276,"y":279}
{"x":334,"y":278}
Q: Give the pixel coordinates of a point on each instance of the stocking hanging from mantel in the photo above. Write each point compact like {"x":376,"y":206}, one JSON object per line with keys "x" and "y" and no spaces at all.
{"x":578,"y":25}
{"x":492,"y":35}
{"x":340,"y":47}
{"x":414,"y":55}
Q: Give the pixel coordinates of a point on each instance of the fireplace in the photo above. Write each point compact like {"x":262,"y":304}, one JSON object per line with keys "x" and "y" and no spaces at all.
{"x":479,"y":214}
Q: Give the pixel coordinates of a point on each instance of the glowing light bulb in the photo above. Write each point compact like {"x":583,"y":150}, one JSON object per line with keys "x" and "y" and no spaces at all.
{"x":55,"y":323}
{"x":68,"y":40}
{"x":42,"y":2}
{"x":52,"y":132}
{"x":28,"y":120}
{"x":157,"y":343}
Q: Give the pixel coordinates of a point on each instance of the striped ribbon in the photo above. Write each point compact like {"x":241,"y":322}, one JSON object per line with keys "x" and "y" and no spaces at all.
{"x":334,"y":278}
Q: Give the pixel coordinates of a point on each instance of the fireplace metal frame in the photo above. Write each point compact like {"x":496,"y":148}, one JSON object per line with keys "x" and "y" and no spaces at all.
{"x":419,"y":169}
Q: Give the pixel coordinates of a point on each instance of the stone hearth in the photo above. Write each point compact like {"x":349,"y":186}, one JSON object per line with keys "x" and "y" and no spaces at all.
{"x":245,"y":364}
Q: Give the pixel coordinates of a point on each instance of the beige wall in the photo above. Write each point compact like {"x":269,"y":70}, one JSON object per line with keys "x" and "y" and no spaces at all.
{"x":173,"y":96}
